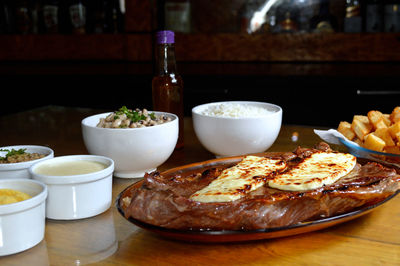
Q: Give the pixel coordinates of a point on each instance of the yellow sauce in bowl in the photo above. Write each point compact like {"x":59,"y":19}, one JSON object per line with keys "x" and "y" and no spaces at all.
{"x":67,"y":168}
{"x":8,"y":196}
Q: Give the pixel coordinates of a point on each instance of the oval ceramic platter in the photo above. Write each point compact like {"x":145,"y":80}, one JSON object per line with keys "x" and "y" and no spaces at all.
{"x":240,"y":235}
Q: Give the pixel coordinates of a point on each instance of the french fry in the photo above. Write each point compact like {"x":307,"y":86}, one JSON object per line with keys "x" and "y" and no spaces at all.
{"x":345,"y":128}
{"x":386,"y":119}
{"x":398,"y":137}
{"x":376,"y":119}
{"x":394,"y":129}
{"x":373,"y":142}
{"x":376,"y":131}
{"x":361,"y":126}
{"x":362,"y":118}
{"x":395,"y":115}
{"x":384,"y":134}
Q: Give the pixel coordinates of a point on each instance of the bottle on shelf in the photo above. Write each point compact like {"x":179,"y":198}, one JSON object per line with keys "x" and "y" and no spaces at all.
{"x":373,"y":16}
{"x":288,"y":24}
{"x":353,"y":19}
{"x":51,"y":16}
{"x":77,"y":10}
{"x":178,"y":15}
{"x":114,"y":16}
{"x":305,"y":13}
{"x":167,"y":84}
{"x":36,"y":10}
{"x":271,"y":20}
{"x":97,"y":16}
{"x":7,"y":19}
{"x":23,"y":18}
{"x":287,"y":15}
{"x":324,"y":21}
{"x":391,"y":15}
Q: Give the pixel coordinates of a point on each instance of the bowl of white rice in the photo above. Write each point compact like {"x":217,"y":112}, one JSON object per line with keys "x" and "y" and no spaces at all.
{"x":237,"y":127}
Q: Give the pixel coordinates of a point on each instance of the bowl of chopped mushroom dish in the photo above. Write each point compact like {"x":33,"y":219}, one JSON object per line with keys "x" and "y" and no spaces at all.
{"x":16,"y":160}
{"x":138,"y":141}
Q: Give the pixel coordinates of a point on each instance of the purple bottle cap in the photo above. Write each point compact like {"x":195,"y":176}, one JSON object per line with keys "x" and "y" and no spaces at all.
{"x":165,"y":36}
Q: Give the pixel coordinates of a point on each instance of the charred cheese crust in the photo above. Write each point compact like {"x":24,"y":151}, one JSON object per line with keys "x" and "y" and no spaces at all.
{"x":321,"y":168}
{"x":317,"y":170}
{"x":234,"y":182}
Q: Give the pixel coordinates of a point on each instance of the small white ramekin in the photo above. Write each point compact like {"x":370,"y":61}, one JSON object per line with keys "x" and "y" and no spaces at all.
{"x":77,"y":196}
{"x":22,"y":224}
{"x":21,"y":170}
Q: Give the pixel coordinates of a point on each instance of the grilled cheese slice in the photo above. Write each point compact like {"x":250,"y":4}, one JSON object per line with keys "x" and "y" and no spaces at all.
{"x":317,"y":170}
{"x":321,"y":168}
{"x":234,"y":182}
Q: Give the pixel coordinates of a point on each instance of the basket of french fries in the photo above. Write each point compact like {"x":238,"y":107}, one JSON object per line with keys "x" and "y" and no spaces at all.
{"x":376,"y":133}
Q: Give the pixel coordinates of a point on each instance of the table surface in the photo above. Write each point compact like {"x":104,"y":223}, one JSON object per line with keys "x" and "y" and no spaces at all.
{"x":109,"y":239}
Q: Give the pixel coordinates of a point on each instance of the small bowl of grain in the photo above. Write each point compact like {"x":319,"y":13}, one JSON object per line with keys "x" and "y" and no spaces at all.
{"x":16,"y":160}
{"x":237,"y":127}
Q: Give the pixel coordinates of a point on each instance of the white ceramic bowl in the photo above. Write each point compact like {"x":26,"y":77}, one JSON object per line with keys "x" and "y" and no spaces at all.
{"x":232,"y":136}
{"x":21,"y":170}
{"x":135,"y":151}
{"x":76,"y":196}
{"x":22,"y":224}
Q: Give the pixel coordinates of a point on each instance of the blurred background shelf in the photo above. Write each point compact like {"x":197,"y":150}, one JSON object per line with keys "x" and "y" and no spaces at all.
{"x":217,"y":47}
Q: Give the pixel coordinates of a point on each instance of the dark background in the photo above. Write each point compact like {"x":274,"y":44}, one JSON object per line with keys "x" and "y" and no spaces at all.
{"x":311,"y":100}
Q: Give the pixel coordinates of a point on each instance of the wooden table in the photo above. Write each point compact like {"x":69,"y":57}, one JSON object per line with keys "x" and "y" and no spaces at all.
{"x":109,"y":239}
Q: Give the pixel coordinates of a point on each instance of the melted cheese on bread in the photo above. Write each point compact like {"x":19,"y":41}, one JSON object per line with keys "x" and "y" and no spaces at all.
{"x":321,"y":168}
{"x":234,"y":182}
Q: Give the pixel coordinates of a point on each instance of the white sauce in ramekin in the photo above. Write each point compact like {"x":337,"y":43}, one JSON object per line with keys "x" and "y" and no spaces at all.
{"x":67,"y":168}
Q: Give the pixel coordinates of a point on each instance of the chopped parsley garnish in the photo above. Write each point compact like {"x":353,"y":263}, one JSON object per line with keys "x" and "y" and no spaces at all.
{"x":134,"y":116}
{"x":12,"y":153}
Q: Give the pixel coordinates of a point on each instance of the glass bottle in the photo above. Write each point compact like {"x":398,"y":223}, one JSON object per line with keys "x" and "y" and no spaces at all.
{"x":374,"y":16}
{"x":353,"y":20}
{"x":23,"y":17}
{"x":97,"y":17}
{"x":167,"y":84}
{"x":115,"y":18}
{"x":51,"y":16}
{"x":391,"y":16}
{"x":287,"y":17}
{"x":77,"y":14}
{"x":7,"y":18}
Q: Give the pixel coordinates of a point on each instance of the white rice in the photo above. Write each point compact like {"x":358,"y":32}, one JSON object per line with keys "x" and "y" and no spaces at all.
{"x":235,"y":110}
